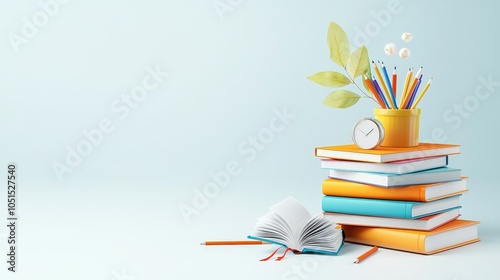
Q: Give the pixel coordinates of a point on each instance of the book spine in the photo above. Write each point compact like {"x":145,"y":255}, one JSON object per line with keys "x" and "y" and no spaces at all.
{"x":422,"y":194}
{"x":408,"y":210}
{"x":368,"y":207}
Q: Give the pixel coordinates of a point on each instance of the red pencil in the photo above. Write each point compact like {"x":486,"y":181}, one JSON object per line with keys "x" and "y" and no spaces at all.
{"x":394,"y":81}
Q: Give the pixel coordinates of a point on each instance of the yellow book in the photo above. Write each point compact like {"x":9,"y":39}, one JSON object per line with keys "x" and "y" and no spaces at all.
{"x":451,"y":235}
{"x":423,"y":192}
{"x":386,"y":154}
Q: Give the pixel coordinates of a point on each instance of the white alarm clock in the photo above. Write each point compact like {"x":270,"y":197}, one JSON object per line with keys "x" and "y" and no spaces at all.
{"x":368,"y":133}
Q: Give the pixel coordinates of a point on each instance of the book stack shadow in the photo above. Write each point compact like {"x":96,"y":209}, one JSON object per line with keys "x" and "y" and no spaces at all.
{"x":405,"y":199}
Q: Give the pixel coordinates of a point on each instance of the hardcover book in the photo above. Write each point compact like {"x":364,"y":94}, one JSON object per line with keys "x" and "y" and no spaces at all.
{"x":388,"y":208}
{"x":451,"y":235}
{"x":394,"y":167}
{"x":386,"y":154}
{"x":424,"y":223}
{"x":420,"y":192}
{"x":442,"y":174}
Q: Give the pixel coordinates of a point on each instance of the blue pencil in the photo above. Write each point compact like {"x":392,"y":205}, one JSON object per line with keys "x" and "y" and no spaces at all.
{"x":388,"y":81}
{"x":414,"y":93}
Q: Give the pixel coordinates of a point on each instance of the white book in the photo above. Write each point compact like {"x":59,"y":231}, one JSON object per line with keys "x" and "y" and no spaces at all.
{"x":442,"y":174}
{"x":425,"y":223}
{"x":395,"y":167}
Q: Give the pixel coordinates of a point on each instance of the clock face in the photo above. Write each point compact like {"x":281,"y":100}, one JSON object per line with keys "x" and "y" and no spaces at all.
{"x":367,"y":134}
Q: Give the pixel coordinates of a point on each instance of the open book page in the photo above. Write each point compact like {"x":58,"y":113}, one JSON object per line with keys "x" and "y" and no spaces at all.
{"x":291,"y":225}
{"x":320,"y":235}
{"x":283,"y":224}
{"x":295,"y":215}
{"x":271,"y":227}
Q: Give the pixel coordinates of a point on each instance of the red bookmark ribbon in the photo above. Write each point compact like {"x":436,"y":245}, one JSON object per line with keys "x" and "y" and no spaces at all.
{"x":268,"y":258}
{"x":280,"y":257}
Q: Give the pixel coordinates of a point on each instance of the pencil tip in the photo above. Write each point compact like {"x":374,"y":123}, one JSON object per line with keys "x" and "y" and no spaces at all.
{"x":356,"y":261}
{"x":202,"y":243}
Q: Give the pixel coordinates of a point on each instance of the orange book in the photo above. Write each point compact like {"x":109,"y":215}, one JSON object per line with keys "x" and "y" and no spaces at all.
{"x":386,"y":154}
{"x":423,"y":193}
{"x":448,"y":236}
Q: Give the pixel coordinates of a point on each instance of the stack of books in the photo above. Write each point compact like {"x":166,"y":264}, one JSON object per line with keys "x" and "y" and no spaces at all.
{"x":399,"y":198}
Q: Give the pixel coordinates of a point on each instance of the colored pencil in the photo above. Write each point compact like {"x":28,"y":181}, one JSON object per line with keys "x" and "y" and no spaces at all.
{"x":414,"y":93}
{"x":381,"y":94}
{"x":394,"y":83}
{"x":413,"y":85}
{"x":388,"y":81}
{"x":422,"y":94}
{"x":234,"y":242}
{"x":374,"y":92}
{"x":366,"y":255}
{"x":384,"y":87}
{"x":405,"y":87}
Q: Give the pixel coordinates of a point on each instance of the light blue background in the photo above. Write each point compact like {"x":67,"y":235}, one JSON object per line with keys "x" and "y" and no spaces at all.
{"x":117,"y":212}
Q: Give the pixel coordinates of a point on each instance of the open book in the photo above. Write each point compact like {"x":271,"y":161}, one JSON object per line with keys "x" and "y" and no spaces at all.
{"x":289,"y":224}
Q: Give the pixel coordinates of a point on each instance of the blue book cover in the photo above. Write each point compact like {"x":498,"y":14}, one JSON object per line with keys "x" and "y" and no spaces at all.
{"x":388,"y":208}
{"x":304,"y":250}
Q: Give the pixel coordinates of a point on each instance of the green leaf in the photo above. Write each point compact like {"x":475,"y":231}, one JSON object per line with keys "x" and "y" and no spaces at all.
{"x":330,"y":79}
{"x":338,"y":44}
{"x":358,"y":63}
{"x":341,"y":99}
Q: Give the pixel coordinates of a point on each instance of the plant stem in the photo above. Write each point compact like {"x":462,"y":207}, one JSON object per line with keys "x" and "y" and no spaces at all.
{"x":354,"y":82}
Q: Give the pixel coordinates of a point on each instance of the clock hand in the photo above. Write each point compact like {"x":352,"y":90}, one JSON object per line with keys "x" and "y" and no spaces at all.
{"x":369,"y":132}
{"x":362,"y":131}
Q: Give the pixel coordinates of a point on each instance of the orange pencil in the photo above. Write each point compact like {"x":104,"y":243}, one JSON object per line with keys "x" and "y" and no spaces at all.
{"x":234,"y":242}
{"x":374,"y":92}
{"x":366,"y":255}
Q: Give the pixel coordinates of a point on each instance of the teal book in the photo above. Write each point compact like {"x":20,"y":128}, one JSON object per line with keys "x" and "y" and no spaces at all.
{"x":436,"y":175}
{"x":388,"y":208}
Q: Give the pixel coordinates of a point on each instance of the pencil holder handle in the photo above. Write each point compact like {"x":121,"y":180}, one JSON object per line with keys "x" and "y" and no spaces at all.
{"x":401,"y":126}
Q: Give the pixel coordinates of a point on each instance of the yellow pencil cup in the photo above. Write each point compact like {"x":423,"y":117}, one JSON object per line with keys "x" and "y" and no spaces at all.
{"x":401,"y":127}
